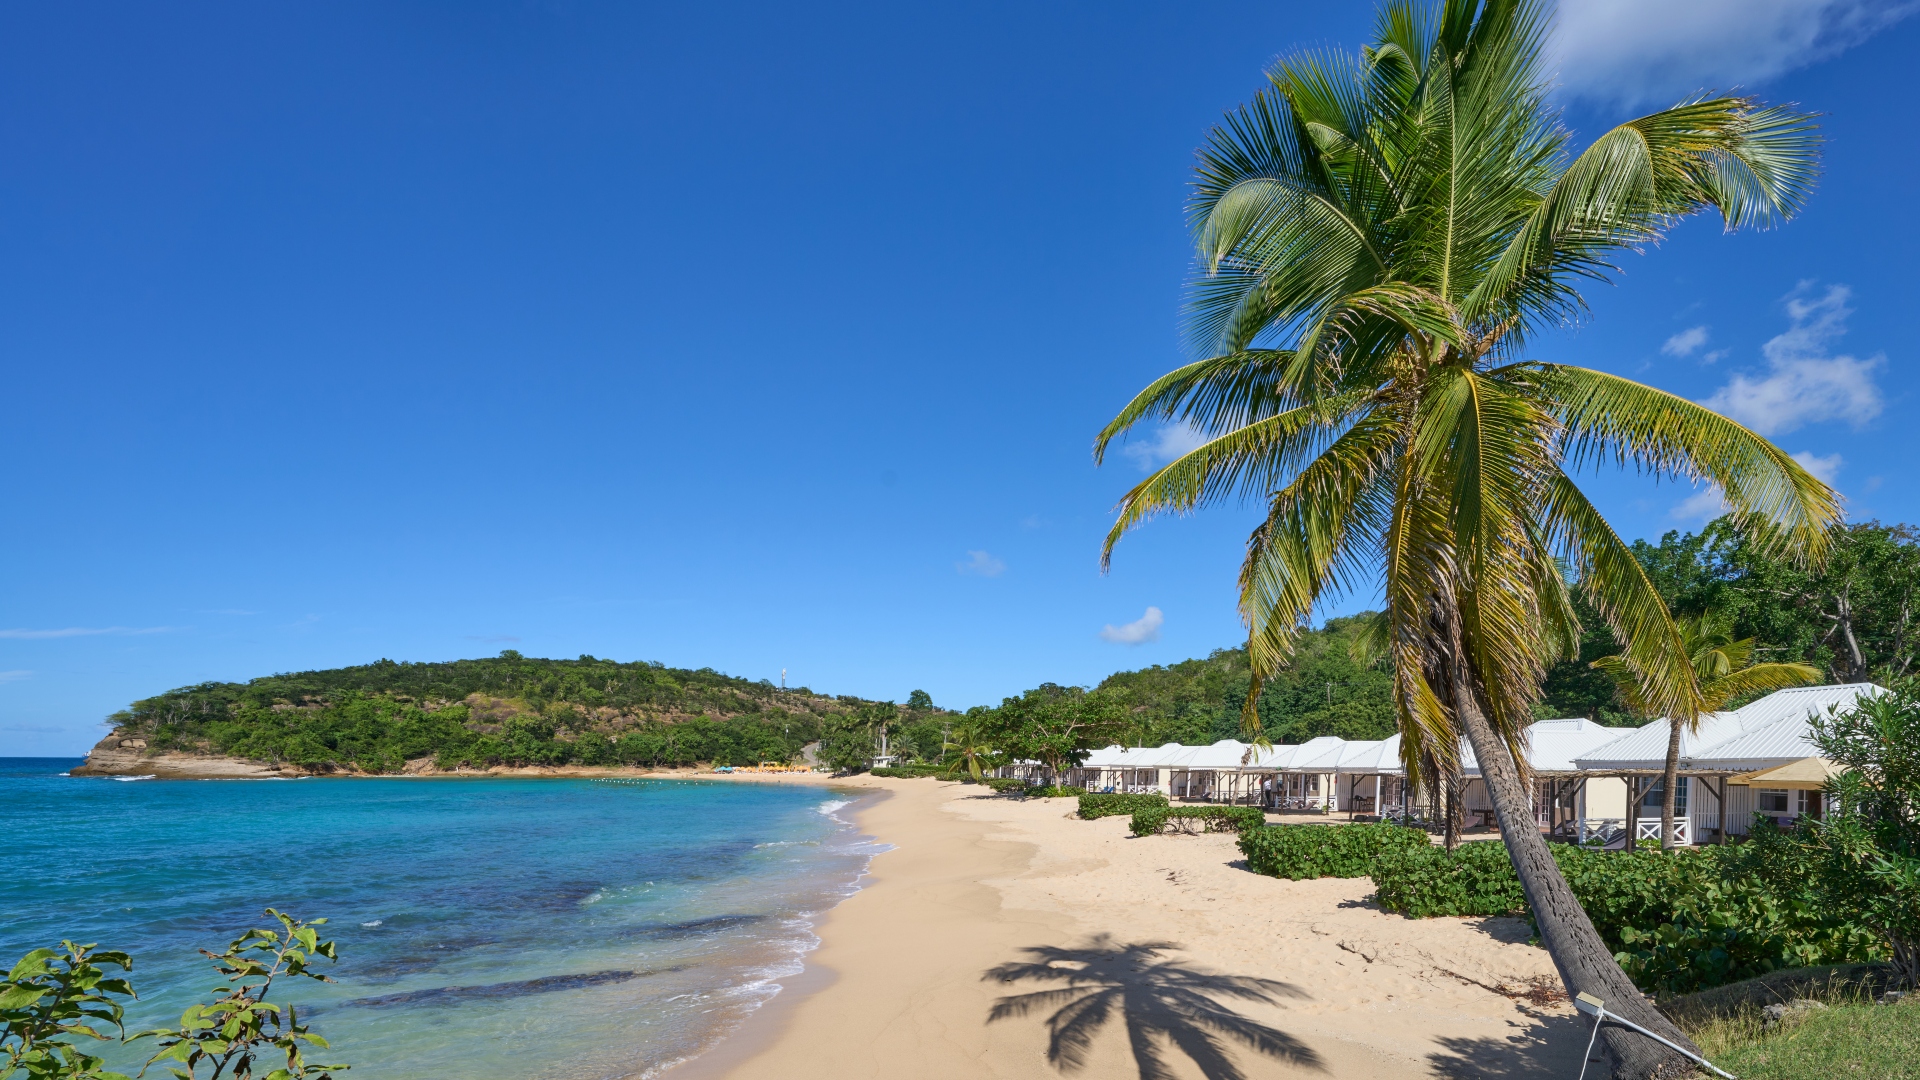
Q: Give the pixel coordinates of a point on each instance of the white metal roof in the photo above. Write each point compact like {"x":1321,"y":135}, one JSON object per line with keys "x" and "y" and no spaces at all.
{"x":1274,"y":757}
{"x":1225,"y":754}
{"x":1318,"y":755}
{"x":1770,"y":731}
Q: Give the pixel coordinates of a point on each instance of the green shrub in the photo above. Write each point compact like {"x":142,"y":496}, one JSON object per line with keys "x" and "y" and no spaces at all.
{"x":1097,"y":805}
{"x":1155,"y":819}
{"x":1313,"y":851}
{"x":1677,"y":921}
{"x":1056,"y":791}
{"x":1005,"y":785}
{"x":1425,"y":881}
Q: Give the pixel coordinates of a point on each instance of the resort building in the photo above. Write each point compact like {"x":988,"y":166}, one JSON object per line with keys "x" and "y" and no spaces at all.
{"x":1591,"y":783}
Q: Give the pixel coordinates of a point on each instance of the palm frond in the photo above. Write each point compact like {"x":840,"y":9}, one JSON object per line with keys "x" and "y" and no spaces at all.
{"x":1772,"y":495}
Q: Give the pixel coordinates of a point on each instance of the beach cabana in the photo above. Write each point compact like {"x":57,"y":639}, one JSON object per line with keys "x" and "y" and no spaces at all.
{"x":1716,"y":796}
{"x":1563,"y":793}
{"x":1212,"y":773}
{"x":1370,"y":778}
{"x":1262,"y":777}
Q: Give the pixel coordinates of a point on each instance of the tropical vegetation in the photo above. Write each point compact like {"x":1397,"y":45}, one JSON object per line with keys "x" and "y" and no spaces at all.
{"x":56,"y":1004}
{"x":504,"y":710}
{"x":1381,"y":235}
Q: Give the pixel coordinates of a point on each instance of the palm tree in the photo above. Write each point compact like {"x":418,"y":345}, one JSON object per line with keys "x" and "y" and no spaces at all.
{"x":1725,"y":672}
{"x":968,"y":749}
{"x":1380,"y":236}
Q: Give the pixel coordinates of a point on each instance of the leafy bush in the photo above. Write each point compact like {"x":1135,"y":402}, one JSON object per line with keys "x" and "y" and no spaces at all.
{"x":1098,"y":805}
{"x":1314,"y":851}
{"x":1871,"y":844}
{"x":1677,"y":921}
{"x":1006,"y":785}
{"x":1055,"y":791}
{"x":1425,"y":881}
{"x":1154,"y":819}
{"x":48,"y":1000}
{"x":240,"y":1024}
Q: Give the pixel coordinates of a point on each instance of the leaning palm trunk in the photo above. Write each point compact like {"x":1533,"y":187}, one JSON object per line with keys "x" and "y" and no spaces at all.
{"x":1580,"y":955}
{"x":1379,"y":237}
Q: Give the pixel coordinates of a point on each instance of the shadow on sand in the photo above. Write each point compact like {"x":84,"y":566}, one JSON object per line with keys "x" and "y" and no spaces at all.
{"x":1554,"y":1051}
{"x":1164,"y":1005}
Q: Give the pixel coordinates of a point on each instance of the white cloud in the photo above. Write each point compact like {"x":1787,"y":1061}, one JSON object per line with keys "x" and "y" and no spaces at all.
{"x":14,"y":676}
{"x":1685,"y":342}
{"x":1824,"y":469}
{"x":979,"y":562}
{"x":1802,"y":384}
{"x":1654,"y":52}
{"x":1170,"y":442}
{"x":1138,"y":632}
{"x":1703,"y":505}
{"x":83,"y":631}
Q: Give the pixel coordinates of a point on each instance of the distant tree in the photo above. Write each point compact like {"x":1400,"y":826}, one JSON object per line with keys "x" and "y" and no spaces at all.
{"x":1055,"y":725}
{"x":919,"y":701}
{"x":967,"y":749}
{"x":1854,"y":616}
{"x":848,"y":745}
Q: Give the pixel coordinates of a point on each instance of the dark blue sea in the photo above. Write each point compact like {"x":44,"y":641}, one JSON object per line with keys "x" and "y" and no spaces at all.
{"x":487,"y":927}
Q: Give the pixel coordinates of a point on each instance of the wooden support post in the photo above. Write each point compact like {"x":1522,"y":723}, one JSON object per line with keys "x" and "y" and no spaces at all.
{"x":1633,"y":813}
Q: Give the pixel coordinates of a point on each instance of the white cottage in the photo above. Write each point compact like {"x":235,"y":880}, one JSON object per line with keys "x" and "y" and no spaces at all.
{"x":1754,"y":759}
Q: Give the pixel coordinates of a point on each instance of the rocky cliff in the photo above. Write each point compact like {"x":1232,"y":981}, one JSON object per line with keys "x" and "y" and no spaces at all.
{"x":118,"y":755}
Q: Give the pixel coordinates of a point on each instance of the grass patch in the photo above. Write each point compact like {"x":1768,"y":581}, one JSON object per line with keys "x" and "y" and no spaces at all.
{"x":1846,"y":1039}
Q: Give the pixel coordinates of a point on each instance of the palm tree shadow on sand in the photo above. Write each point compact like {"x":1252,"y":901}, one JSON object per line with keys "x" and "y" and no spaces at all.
{"x":1163,"y":1004}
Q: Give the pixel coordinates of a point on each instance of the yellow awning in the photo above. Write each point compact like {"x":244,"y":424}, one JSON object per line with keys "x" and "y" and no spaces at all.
{"x":1807,"y":772}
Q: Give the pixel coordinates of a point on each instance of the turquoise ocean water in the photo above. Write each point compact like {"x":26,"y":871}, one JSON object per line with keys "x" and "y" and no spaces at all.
{"x":488,"y":928}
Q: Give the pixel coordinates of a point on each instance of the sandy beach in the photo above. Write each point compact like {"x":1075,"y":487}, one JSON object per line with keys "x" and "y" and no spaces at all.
{"x":1190,"y":965}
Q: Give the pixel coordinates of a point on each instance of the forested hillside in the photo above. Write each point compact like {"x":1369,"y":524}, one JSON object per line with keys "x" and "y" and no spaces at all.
{"x":508,"y":709}
{"x":1323,"y":692}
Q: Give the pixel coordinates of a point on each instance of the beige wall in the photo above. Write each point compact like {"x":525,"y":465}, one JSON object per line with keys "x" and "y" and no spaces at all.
{"x":1606,"y":797}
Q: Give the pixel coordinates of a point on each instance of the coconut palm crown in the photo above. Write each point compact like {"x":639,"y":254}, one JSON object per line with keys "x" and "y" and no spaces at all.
{"x":1380,"y":237}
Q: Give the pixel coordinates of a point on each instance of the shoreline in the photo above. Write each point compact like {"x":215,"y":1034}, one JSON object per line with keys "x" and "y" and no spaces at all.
{"x":885,"y":977}
{"x":902,"y":979}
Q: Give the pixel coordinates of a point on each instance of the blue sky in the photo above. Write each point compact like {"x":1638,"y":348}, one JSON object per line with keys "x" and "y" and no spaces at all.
{"x":742,"y":335}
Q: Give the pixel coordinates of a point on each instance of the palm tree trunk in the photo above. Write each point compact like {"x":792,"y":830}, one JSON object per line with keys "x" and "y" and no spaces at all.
{"x":1669,"y":780}
{"x":1452,"y":785}
{"x":1585,"y":963}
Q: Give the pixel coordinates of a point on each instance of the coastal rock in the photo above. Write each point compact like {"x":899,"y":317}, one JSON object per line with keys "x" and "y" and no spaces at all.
{"x":117,"y":755}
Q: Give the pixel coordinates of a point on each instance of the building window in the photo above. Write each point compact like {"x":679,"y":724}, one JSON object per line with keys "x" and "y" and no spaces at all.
{"x":1810,"y":802}
{"x":1655,"y":796}
{"x":1771,"y":800}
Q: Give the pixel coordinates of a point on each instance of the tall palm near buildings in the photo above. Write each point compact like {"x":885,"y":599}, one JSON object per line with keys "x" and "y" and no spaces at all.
{"x":1380,"y":236}
{"x":1725,"y":671}
{"x":966,"y":748}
